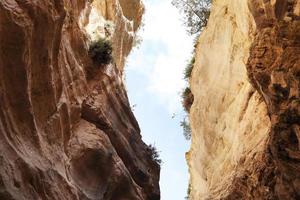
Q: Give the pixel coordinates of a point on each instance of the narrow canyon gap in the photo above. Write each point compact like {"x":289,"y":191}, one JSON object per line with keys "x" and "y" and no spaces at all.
{"x":154,"y":80}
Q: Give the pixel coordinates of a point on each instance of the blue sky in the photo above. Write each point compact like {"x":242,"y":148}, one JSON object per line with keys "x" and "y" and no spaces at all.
{"x":154,"y":81}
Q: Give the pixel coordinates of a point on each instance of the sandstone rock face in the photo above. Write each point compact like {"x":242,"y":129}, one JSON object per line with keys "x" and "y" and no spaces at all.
{"x":65,"y":134}
{"x":246,"y":115}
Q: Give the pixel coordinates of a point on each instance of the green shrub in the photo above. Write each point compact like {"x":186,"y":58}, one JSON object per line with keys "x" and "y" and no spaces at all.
{"x":100,"y":51}
{"x":187,"y":132}
{"x":189,"y":68}
{"x":187,"y":99}
{"x":152,"y":151}
{"x":138,"y":39}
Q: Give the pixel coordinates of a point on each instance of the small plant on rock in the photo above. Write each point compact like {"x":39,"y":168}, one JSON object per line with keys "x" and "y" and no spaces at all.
{"x":100,"y":51}
{"x":187,"y":132}
{"x":189,"y":68}
{"x":188,"y":192}
{"x":151,"y":149}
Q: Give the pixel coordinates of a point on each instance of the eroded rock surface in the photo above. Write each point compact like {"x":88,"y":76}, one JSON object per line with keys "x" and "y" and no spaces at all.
{"x":67,"y":133}
{"x":246,"y":115}
{"x":274,"y":69}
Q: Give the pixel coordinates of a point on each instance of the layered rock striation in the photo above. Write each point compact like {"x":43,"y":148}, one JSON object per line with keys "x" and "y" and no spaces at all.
{"x":245,"y":117}
{"x":66,"y":127}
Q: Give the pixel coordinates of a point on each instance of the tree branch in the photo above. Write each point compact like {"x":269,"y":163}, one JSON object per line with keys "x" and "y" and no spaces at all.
{"x":192,"y":9}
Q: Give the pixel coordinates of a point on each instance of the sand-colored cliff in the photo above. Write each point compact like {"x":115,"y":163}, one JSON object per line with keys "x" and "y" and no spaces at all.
{"x":245,"y":116}
{"x":64,"y":133}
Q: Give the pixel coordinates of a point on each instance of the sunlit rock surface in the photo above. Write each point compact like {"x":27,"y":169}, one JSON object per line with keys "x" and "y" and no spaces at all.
{"x":66,"y":128}
{"x":245,"y":117}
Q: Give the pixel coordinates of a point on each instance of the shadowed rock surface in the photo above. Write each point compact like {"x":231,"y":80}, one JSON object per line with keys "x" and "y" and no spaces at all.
{"x":274,"y":69}
{"x":66,"y":127}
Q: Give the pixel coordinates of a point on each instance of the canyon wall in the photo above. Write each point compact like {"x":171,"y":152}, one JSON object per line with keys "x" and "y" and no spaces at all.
{"x":66,"y":127}
{"x":245,"y":118}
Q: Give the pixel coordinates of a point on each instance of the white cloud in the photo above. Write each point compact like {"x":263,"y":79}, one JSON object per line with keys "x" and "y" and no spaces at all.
{"x":163,"y":24}
{"x":166,"y":81}
{"x":165,"y":64}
